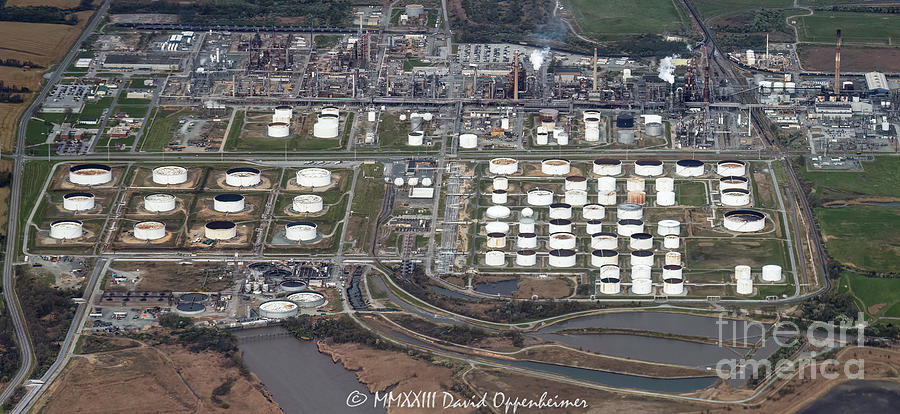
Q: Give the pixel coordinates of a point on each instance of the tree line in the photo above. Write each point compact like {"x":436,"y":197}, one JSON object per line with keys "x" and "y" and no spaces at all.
{"x":43,"y":14}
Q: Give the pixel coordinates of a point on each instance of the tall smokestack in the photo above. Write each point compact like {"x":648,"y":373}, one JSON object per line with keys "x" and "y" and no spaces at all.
{"x":516,"y":77}
{"x":594,"y":63}
{"x":837,"y":64}
{"x":767,"y":51}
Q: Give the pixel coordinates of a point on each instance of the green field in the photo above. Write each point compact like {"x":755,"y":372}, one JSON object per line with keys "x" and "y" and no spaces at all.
{"x":861,"y":236}
{"x":95,"y":109}
{"x":36,"y":132}
{"x":710,"y":8}
{"x":162,"y":128}
{"x":617,"y":19}
{"x":713,"y":254}
{"x":690,"y":193}
{"x":235,"y":131}
{"x":869,"y":28}
{"x":875,"y":296}
{"x":879,"y":178}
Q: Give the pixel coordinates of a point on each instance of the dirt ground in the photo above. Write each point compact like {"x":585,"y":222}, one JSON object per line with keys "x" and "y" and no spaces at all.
{"x":543,"y":288}
{"x":176,"y":277}
{"x":853,"y":59}
{"x":158,"y":379}
{"x":576,"y":358}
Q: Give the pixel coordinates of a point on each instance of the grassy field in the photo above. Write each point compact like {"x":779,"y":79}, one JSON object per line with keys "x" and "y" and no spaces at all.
{"x":869,"y":28}
{"x":879,"y":178}
{"x":725,"y":254}
{"x":710,"y":8}
{"x":875,"y":296}
{"x":162,"y":128}
{"x":235,"y":131}
{"x":691,"y":193}
{"x":36,"y":132}
{"x":366,"y":204}
{"x":616,"y":19}
{"x":860,"y":236}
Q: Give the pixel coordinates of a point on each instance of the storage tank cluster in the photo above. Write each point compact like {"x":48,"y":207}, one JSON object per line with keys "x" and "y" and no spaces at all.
{"x":313,"y":177}
{"x":170,"y":175}
{"x":326,"y":125}
{"x":149,"y":230}
{"x":90,"y":174}
{"x":243,"y":177}
{"x":78,"y":201}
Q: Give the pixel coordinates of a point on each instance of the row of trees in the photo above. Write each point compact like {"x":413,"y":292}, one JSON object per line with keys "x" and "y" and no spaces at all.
{"x":44,"y":14}
{"x":16,"y":63}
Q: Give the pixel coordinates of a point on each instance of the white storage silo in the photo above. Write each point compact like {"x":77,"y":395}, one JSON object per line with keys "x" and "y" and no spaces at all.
{"x":590,"y":113}
{"x":606,"y":198}
{"x":561,"y":137}
{"x":745,"y":221}
{"x":653,"y":129}
{"x":526,"y":258}
{"x":729,"y":183}
{"x":331,"y":110}
{"x":415,"y":138}
{"x":326,"y":126}
{"x":689,"y":168}
{"x":576,"y":197}
{"x":78,"y":201}
{"x":664,"y":184}
{"x":606,"y":184}
{"x":576,"y":182}
{"x":735,"y":197}
{"x":526,"y":241}
{"x":560,"y":226}
{"x":673,"y":258}
{"x":170,"y":175}
{"x":648,"y":168}
{"x":66,"y":229}
{"x":159,"y":203}
{"x":300,"y":231}
{"x":610,"y":281}
{"x":496,"y":240}
{"x":527,"y":212}
{"x":499,"y":196}
{"x":526,"y":225}
{"x":497,"y":212}
{"x":627,"y":227}
{"x":771,"y":273}
{"x":607,"y":167}
{"x":665,"y":198}
{"x":308,"y":203}
{"x":496,"y":227}
{"x":90,"y":174}
{"x":668,"y":227}
{"x":228,"y":203}
{"x":593,"y":212}
{"x":562,"y":241}
{"x":501,"y":183}
{"x":220,"y":230}
{"x":278,"y":130}
{"x":594,"y":226}
{"x":149,"y":230}
{"x":540,"y":197}
{"x":642,"y":257}
{"x":629,"y":211}
{"x":560,"y":211}
{"x":592,"y":132}
{"x":641,"y":272}
{"x":730,"y":168}
{"x":672,"y":271}
{"x":604,"y":241}
{"x":542,"y":138}
{"x":641,"y":286}
{"x":503,"y":166}
{"x":744,"y":287}
{"x":671,"y":242}
{"x":604,"y":257}
{"x":494,"y":258}
{"x":283,"y":114}
{"x":673,"y":286}
{"x":243,"y":177}
{"x":556,"y":166}
{"x":640,"y":241}
{"x":742,"y":272}
{"x":313,"y":177}
{"x":634,"y":184}
{"x":562,"y":258}
{"x":468,"y":141}
{"x":371,"y":116}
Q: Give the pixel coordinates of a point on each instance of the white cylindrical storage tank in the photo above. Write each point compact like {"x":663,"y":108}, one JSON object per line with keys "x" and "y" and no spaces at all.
{"x":278,"y":130}
{"x":594,"y":226}
{"x":283,"y":113}
{"x":629,"y":211}
{"x":673,"y":286}
{"x":576,"y":197}
{"x":220,"y":230}
{"x":642,"y":257}
{"x":331,"y":110}
{"x":501,"y":183}
{"x":604,"y":241}
{"x":560,"y":226}
{"x":415,"y":138}
{"x":504,"y":123}
{"x":468,"y":141}
{"x":496,"y":227}
{"x":526,"y":258}
{"x":689,"y":168}
{"x":90,"y":174}
{"x":648,"y":168}
{"x":494,"y":258}
{"x":527,"y":241}
{"x":399,"y":181}
{"x":745,"y":221}
{"x":170,"y":175}
{"x":744,"y":287}
{"x":593,"y":212}
{"x":606,"y":184}
{"x":562,"y":258}
{"x":527,"y":212}
{"x":301,"y":231}
{"x":641,"y":272}
{"x":313,"y":177}
{"x":635,"y":184}
{"x":149,"y":230}
{"x":499,"y":196}
{"x":278,"y":309}
{"x":742,"y":272}
{"x":426,"y":182}
{"x":664,"y":184}
{"x":560,"y":211}
{"x":668,"y":227}
{"x":735,"y":197}
{"x":641,"y":286}
{"x":308,"y":203}
{"x":548,"y":125}
{"x":371,"y":116}
{"x":607,"y":167}
{"x":607,"y":198}
{"x":539,"y":197}
{"x":243,"y":177}
{"x":610,"y":280}
{"x":731,"y":168}
{"x":556,"y":166}
{"x":562,"y":137}
{"x":66,"y":229}
{"x":503,"y":166}
{"x":592,"y":133}
{"x":671,"y":271}
{"x":542,"y":138}
{"x":576,"y":182}
{"x":673,"y":258}
{"x":641,"y":241}
{"x":159,"y":203}
{"x":653,"y":129}
{"x":671,"y":242}
{"x":562,"y":241}
{"x":729,"y":183}
{"x":526,"y":225}
{"x":604,"y":257}
{"x":228,"y":203}
{"x":326,"y":126}
{"x":590,"y":113}
{"x":771,"y":273}
{"x":665,"y":198}
{"x":496,"y":240}
{"x":627,"y":227}
{"x":78,"y":201}
{"x":498,"y":212}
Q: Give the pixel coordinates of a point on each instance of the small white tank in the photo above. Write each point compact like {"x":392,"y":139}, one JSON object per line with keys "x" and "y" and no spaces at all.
{"x":560,"y":211}
{"x":673,"y":287}
{"x":301,"y":231}
{"x":283,"y":113}
{"x":562,"y":258}
{"x":159,"y":203}
{"x":170,"y":175}
{"x":604,"y":257}
{"x":576,"y":182}
{"x":326,"y":126}
{"x":671,"y":271}
{"x":744,"y":287}
{"x":499,"y":197}
{"x":635,"y":184}
{"x":742,"y":272}
{"x":526,"y":258}
{"x":606,"y":198}
{"x":149,"y":230}
{"x":415,"y":138}
{"x":673,"y":258}
{"x":501,"y":183}
{"x":542,"y":138}
{"x":468,"y":141}
{"x":627,"y":227}
{"x":671,"y":242}
{"x":665,"y":198}
{"x":539,"y":197}
{"x":591,"y":133}
{"x":593,"y":212}
{"x":526,"y":225}
{"x":664,"y":184}
{"x":576,"y":198}
{"x":496,"y":227}
{"x":610,"y":280}
{"x":594,"y":226}
{"x":641,"y":272}
{"x":604,"y":241}
{"x":668,"y":227}
{"x":494,"y":258}
{"x":640,"y":241}
{"x":771,"y":273}
{"x":496,"y":240}
{"x":313,"y":177}
{"x":308,"y":203}
{"x":527,"y":212}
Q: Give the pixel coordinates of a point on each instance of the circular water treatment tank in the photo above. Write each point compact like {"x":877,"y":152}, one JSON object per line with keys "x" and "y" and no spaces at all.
{"x":604,"y":257}
{"x":735,"y":197}
{"x":494,"y":258}
{"x":641,"y":241}
{"x":78,"y":201}
{"x":497,"y":212}
{"x":771,"y":273}
{"x":499,"y":197}
{"x":308,"y":203}
{"x":593,"y":212}
{"x":665,"y":198}
{"x":243,"y":177}
{"x":556,"y":166}
{"x":641,"y":272}
{"x":526,"y":258}
{"x":188,"y":309}
{"x":228,"y":203}
{"x":149,"y":230}
{"x":648,"y":168}
{"x":503,"y":166}
{"x":313,"y":177}
{"x":278,"y":309}
{"x":170,"y":175}
{"x":526,"y":241}
{"x":292,"y":286}
{"x":307,"y":299}
{"x":745,"y":221}
{"x":277,"y":273}
{"x":540,"y":197}
{"x":733,"y":182}
{"x":90,"y":174}
{"x":562,"y":241}
{"x":664,"y":184}
{"x":560,"y":226}
{"x":560,"y":211}
{"x":642,"y":257}
{"x":193,"y":297}
{"x":604,"y":241}
{"x":627,"y":227}
{"x":607,"y":166}
{"x":500,"y":183}
{"x":278,"y":130}
{"x":562,"y":258}
{"x":641,"y":286}
{"x":668,"y":227}
{"x":729,"y":168}
{"x":66,"y":229}
{"x":415,"y":138}
{"x":220,"y":230}
{"x":468,"y":141}
{"x":301,"y":231}
{"x":629,"y":211}
{"x":689,"y":168}
{"x":159,"y":203}
{"x":576,"y":197}
{"x":497,"y":227}
{"x":594,"y":226}
{"x":576,"y":182}
{"x":496,"y":240}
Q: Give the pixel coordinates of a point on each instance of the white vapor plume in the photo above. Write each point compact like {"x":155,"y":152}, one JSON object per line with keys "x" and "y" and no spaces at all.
{"x":667,"y":69}
{"x":537,"y":57}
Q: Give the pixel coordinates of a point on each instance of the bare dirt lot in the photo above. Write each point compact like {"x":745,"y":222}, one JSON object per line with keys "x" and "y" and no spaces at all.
{"x":853,"y":59}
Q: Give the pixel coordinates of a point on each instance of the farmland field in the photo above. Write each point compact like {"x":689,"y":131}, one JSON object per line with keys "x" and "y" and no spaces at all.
{"x":615,"y":19}
{"x":868,"y":28}
{"x":858,"y":236}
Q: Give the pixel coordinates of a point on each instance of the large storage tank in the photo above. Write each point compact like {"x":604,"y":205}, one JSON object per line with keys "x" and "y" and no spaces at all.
{"x":526,"y":225}
{"x":496,"y":240}
{"x":159,"y":203}
{"x":629,"y":211}
{"x":301,"y":231}
{"x":735,"y":197}
{"x":503,"y":166}
{"x":648,"y":168}
{"x":576,"y":197}
{"x":542,"y":138}
{"x":673,"y":286}
{"x":742,"y":272}
{"x":745,"y":221}
{"x":665,"y":198}
{"x":90,"y":174}
{"x":66,"y":229}
{"x":641,"y":286}
{"x":540,"y":197}
{"x":78,"y":201}
{"x":562,"y":241}
{"x":499,"y":196}
{"x":576,"y":182}
{"x":560,"y":226}
{"x":562,"y":258}
{"x":654,"y":129}
{"x":243,"y":177}
{"x":627,"y":227}
{"x":606,"y":184}
{"x":526,"y":258}
{"x":278,"y":130}
{"x":555,"y":166}
{"x":496,"y":227}
{"x":468,"y":141}
{"x":729,"y":168}
{"x":733,"y":182}
{"x":170,"y":175}
{"x":610,"y":280}
{"x":500,"y":183}
{"x":625,"y":129}
{"x":604,"y":257}
{"x":607,"y":198}
{"x":228,"y":203}
{"x":642,"y":257}
{"x":744,"y":287}
{"x":498,"y":212}
{"x":641,"y":241}
{"x":560,"y":211}
{"x":283,"y":114}
{"x":494,"y":258}
{"x":594,"y":226}
{"x":664,"y":184}
{"x":671,"y":242}
{"x":641,"y":272}
{"x":672,"y":272}
{"x":527,"y":241}
{"x":771,"y":273}
{"x":607,"y":166}
{"x":635,"y":184}
{"x":278,"y":309}
{"x":604,"y":241}
{"x":308,"y":203}
{"x":592,"y":129}
{"x":593,"y":212}
{"x":313,"y":177}
{"x":673,"y":258}
{"x":668,"y":227}
{"x":689,"y":168}
{"x":220,"y":230}
{"x":149,"y":230}
{"x":326,"y":126}
{"x":636,"y":197}
{"x":307,"y":299}
{"x":415,"y":138}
